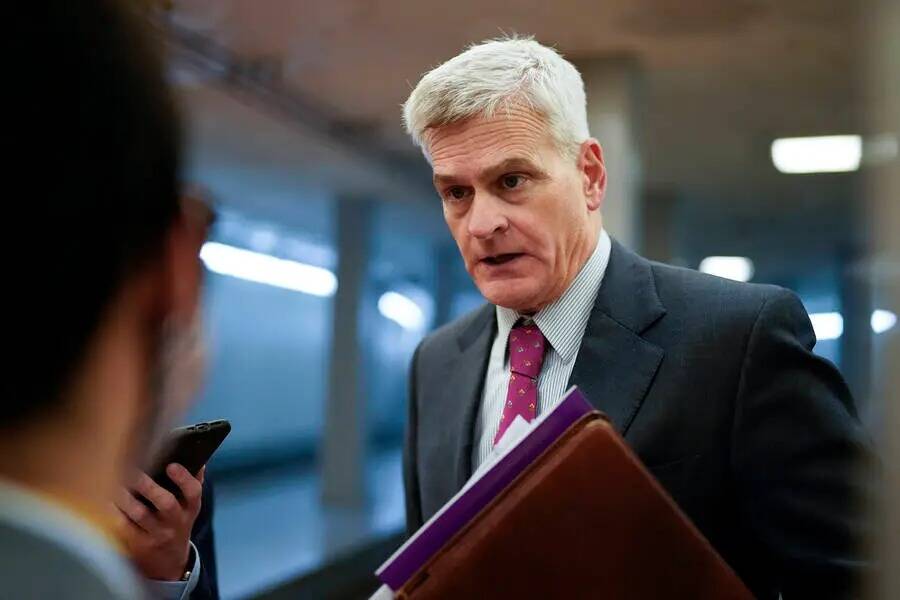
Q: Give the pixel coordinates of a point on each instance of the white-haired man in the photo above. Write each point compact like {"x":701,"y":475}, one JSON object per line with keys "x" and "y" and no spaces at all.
{"x":712,"y":382}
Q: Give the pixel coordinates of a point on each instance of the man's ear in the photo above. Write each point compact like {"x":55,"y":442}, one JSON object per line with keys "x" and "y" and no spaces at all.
{"x":593,"y":172}
{"x":185,"y":241}
{"x":181,"y":273}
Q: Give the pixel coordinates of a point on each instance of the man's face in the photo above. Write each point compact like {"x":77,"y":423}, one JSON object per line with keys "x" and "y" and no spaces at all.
{"x":176,"y":369}
{"x":524,"y":215}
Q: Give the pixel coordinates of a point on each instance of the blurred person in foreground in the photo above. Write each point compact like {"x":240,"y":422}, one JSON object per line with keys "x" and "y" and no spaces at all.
{"x":712,"y":382}
{"x":103,"y":283}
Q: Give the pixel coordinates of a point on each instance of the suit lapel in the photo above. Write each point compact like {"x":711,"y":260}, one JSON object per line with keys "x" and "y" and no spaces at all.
{"x":614,"y":368}
{"x":468,"y":374}
{"x":615,"y":365}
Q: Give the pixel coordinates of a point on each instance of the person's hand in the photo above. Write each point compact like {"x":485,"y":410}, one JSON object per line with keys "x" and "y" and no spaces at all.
{"x":159,"y":541}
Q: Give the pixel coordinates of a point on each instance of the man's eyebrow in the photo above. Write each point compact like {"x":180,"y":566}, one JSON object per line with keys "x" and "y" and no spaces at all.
{"x":513,"y":164}
{"x":506,"y":166}
{"x":440,"y":178}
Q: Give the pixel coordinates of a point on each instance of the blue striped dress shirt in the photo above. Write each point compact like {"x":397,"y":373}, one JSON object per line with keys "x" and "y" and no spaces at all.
{"x":563,"y":323}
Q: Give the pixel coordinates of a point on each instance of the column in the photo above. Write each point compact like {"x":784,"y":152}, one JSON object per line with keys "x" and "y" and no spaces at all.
{"x":658,"y":211}
{"x":883,"y":91}
{"x":856,"y":341}
{"x":343,"y":443}
{"x":611,"y":87}
{"x":446,"y":254}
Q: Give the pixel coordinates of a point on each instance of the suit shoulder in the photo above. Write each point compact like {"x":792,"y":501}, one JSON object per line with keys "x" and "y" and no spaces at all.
{"x":679,"y":287}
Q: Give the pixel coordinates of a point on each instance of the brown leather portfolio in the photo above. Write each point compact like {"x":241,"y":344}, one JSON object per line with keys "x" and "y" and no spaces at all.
{"x":585,"y":520}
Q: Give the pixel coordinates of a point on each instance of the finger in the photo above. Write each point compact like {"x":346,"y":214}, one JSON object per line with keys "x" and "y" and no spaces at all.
{"x":201,"y":476}
{"x":127,"y":528}
{"x":134,"y":477}
{"x":136,"y":512}
{"x":160,"y":497}
{"x":123,"y":499}
{"x":190,"y":487}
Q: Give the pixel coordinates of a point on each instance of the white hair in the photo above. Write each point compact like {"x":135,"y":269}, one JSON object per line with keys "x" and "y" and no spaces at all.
{"x":492,"y":76}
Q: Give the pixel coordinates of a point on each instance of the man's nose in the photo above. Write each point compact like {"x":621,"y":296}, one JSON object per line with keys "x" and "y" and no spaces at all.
{"x":486,"y":216}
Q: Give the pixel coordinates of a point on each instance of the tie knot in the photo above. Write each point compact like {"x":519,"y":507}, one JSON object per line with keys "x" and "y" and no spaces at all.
{"x":526,"y":350}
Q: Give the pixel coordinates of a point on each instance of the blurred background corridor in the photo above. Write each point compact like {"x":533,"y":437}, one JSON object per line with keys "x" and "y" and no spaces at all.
{"x":331,"y":252}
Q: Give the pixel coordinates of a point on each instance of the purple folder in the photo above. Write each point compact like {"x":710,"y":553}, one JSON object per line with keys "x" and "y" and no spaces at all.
{"x":463,"y":507}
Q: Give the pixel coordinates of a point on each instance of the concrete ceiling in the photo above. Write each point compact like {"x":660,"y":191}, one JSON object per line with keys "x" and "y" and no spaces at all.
{"x":719,"y":80}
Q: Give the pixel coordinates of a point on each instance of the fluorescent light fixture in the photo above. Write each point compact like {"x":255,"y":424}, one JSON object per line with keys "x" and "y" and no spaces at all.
{"x":827,"y":325}
{"x":883,"y":320}
{"x":269,"y":270}
{"x":738,"y":268}
{"x":825,"y":154}
{"x":402,"y":310}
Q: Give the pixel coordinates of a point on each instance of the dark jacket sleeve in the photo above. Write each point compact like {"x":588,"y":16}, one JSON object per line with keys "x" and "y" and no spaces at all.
{"x":202,"y":536}
{"x":802,"y":462}
{"x":410,"y":472}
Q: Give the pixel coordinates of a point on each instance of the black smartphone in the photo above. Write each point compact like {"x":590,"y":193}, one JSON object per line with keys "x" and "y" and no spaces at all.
{"x":191,"y":447}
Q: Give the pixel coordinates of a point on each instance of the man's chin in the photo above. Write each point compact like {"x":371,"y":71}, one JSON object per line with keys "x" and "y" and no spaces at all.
{"x":509,"y":295}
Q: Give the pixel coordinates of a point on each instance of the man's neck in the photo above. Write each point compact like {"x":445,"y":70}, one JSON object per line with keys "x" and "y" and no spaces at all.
{"x":71,"y":466}
{"x":587,"y":246}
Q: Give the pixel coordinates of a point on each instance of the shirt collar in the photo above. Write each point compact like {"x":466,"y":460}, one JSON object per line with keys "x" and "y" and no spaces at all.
{"x":563,"y":321}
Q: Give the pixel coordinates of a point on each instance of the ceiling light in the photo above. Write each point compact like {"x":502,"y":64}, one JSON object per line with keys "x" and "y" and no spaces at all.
{"x":827,"y":325}
{"x":402,"y":310}
{"x":268,"y":270}
{"x":883,"y":320}
{"x":825,"y":154}
{"x":738,"y":268}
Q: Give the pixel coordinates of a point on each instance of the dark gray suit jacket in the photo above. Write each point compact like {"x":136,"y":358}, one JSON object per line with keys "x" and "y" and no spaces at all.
{"x":714,"y":385}
{"x":202,"y":536}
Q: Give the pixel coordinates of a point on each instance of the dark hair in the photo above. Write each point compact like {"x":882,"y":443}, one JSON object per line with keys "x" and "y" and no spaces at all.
{"x":92,"y":184}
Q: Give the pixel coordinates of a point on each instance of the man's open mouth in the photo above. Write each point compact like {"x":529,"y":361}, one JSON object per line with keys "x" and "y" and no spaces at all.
{"x":499,"y":259}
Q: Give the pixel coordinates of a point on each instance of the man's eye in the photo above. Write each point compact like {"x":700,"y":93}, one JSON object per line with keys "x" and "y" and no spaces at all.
{"x":511,"y":182}
{"x":456,"y":193}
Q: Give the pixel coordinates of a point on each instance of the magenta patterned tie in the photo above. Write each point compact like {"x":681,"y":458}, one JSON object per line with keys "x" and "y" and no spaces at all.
{"x":526,"y":355}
